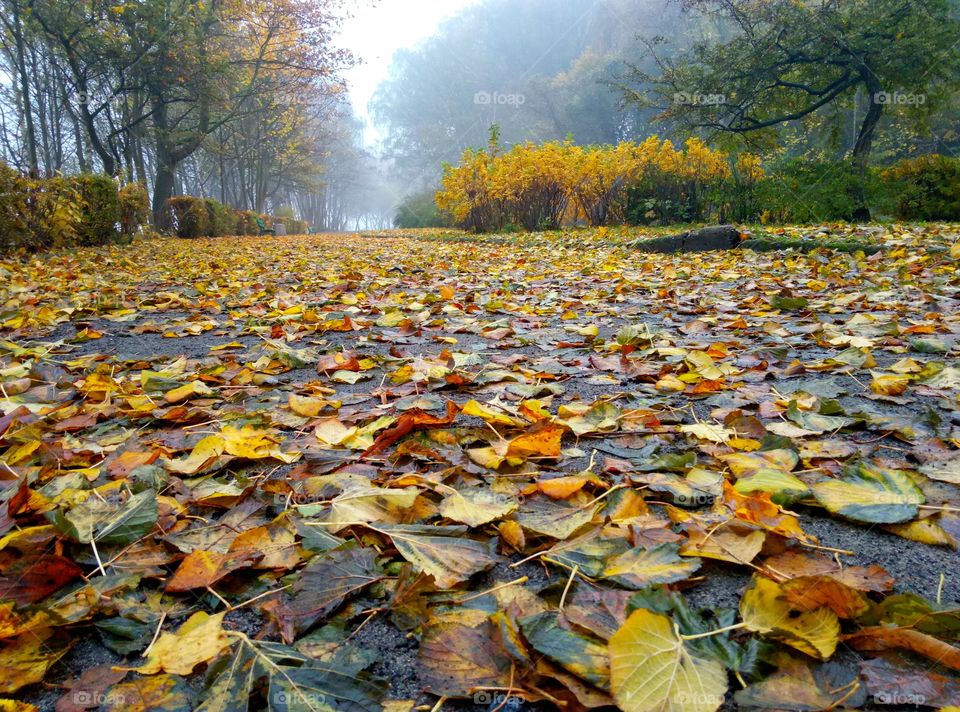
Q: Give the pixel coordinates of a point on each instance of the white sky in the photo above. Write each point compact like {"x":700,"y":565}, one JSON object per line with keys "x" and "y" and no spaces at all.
{"x":377,"y":30}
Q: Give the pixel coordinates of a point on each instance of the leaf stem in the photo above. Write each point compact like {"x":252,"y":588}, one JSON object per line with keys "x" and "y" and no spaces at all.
{"x":573,"y":575}
{"x":735,"y":626}
{"x":479,"y":594}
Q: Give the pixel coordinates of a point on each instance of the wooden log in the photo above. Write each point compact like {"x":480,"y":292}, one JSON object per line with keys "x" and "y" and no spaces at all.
{"x":716,"y":237}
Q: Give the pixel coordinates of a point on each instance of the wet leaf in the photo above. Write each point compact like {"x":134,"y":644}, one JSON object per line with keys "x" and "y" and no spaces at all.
{"x":576,"y":653}
{"x":639,"y":568}
{"x":198,"y":640}
{"x":324,"y":585}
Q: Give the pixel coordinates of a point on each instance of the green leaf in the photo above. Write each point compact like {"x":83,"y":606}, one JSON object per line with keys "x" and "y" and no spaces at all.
{"x":788,"y":303}
{"x":871,"y":494}
{"x":315,"y":688}
{"x":575,"y":652}
{"x":783,"y":487}
{"x":588,"y":551}
{"x":108,"y":522}
{"x":816,"y":422}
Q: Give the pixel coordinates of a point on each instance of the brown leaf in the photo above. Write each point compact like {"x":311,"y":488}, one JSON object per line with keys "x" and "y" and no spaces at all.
{"x":32,"y":580}
{"x":407,"y":423}
{"x":881,"y":638}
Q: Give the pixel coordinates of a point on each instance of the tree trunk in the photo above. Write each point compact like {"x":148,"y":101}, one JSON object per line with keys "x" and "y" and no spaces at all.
{"x":864,"y":143}
{"x":163,"y":185}
{"x":30,"y":133}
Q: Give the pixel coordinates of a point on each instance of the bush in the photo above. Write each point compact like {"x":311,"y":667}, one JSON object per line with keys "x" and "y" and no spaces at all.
{"x":809,"y":191}
{"x":14,"y":230}
{"x":101,"y":211}
{"x":419,"y":210}
{"x":544,"y":186}
{"x":134,"y":208}
{"x":187,"y":216}
{"x":223,"y":219}
{"x":295,"y":227}
{"x":924,"y":188}
{"x":44,"y":213}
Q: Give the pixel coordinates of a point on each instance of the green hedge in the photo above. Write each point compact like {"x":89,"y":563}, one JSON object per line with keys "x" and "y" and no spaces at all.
{"x":45,"y":213}
{"x":100,"y":209}
{"x":224,"y":220}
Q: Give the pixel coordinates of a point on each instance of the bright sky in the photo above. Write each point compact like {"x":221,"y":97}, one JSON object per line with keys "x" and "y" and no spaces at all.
{"x":377,"y":30}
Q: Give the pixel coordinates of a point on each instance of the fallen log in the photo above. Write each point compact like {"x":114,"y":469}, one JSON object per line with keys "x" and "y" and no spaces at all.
{"x":728,"y":237}
{"x":717,"y":237}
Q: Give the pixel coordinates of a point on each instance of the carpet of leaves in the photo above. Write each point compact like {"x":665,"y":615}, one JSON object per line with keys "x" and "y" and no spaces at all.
{"x":361,"y":473}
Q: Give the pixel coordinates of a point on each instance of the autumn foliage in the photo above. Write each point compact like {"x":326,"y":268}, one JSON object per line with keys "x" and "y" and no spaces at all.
{"x":547,"y":185}
{"x":42,"y":213}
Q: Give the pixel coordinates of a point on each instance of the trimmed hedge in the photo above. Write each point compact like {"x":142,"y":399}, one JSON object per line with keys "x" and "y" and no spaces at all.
{"x":189,"y":217}
{"x":295,"y":227}
{"x":44,"y":213}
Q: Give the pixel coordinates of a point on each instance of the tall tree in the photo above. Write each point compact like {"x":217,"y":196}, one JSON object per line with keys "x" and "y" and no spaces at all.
{"x":788,"y":59}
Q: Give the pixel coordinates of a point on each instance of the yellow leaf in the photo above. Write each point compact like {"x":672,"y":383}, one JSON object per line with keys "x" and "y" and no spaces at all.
{"x":203,"y":454}
{"x":651,"y":669}
{"x":307,"y":406}
{"x":765,"y":610}
{"x":475,"y":506}
{"x":889,"y":384}
{"x":199,"y":640}
{"x":542,"y":440}
{"x":488,"y":414}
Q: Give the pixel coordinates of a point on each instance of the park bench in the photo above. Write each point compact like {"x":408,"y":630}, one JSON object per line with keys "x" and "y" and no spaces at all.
{"x":264,"y":230}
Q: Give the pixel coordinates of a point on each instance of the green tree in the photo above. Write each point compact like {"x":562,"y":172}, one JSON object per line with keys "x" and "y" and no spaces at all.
{"x":783,"y":60}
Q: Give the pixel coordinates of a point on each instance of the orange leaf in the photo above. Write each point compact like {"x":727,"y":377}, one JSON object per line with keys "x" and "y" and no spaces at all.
{"x":562,"y":487}
{"x":542,"y":440}
{"x":812,"y":592}
{"x":201,"y":569}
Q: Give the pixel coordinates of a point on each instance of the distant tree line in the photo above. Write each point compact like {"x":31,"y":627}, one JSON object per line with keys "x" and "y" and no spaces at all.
{"x":229,"y":99}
